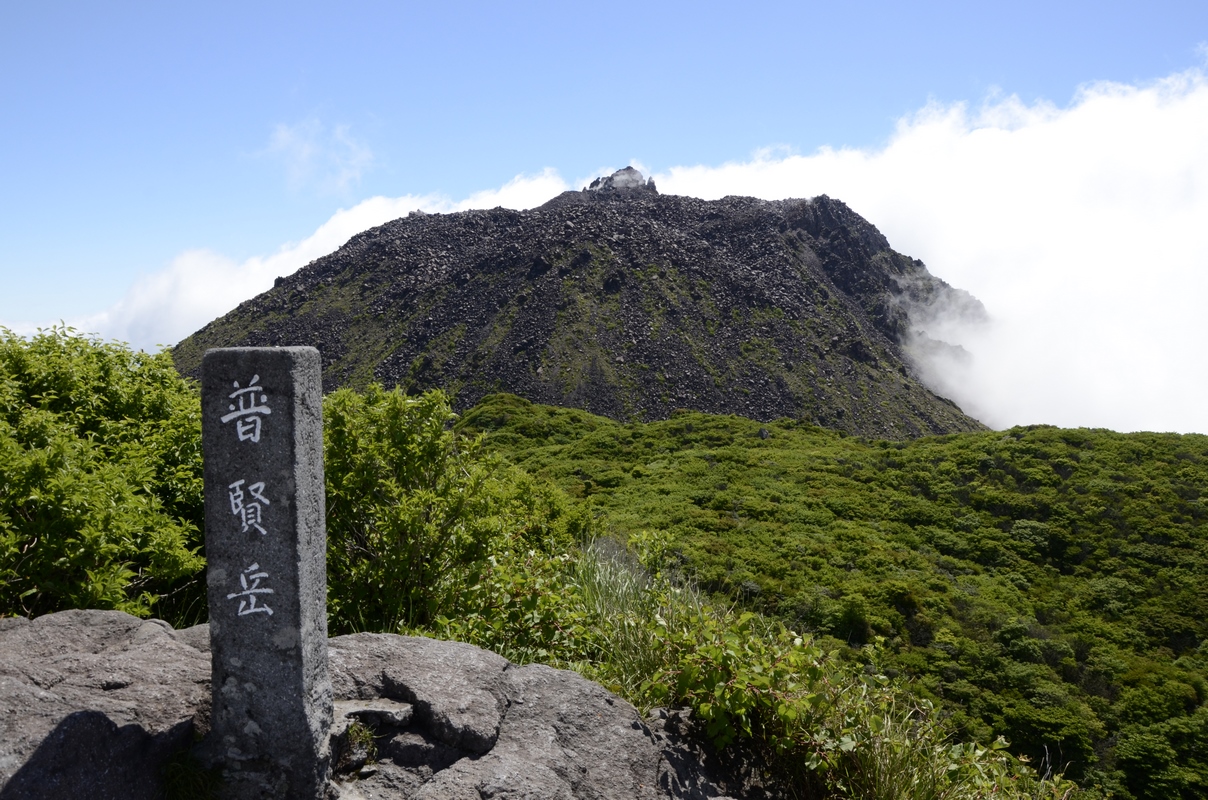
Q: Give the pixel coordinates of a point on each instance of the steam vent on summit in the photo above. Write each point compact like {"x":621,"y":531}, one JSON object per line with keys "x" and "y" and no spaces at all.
{"x":624,"y":302}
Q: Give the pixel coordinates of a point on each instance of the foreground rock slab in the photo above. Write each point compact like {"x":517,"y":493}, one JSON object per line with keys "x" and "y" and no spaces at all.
{"x":96,"y":704}
{"x":93,"y":703}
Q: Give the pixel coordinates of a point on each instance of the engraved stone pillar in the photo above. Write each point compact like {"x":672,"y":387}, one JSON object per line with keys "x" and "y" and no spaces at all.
{"x":262,"y":433}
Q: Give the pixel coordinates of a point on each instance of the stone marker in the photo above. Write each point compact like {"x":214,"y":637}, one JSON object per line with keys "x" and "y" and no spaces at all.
{"x":262,"y":433}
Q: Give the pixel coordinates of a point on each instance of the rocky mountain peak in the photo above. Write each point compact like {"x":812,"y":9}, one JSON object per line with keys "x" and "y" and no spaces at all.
{"x":624,"y":302}
{"x":623,"y":180}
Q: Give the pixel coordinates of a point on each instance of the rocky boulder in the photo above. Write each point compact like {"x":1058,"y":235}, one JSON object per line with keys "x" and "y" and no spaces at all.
{"x":94,"y":703}
{"x":97,"y":703}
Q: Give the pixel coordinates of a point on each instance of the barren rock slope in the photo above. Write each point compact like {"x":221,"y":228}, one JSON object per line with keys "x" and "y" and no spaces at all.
{"x":623,"y":302}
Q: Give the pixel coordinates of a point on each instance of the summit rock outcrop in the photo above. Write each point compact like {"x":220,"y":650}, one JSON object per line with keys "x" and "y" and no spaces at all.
{"x":624,"y":302}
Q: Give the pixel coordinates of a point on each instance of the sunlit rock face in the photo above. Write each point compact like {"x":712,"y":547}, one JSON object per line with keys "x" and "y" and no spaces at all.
{"x":624,"y":302}
{"x":622,"y":180}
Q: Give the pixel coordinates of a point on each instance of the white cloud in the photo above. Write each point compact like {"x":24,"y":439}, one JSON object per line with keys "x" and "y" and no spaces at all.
{"x":520,"y":192}
{"x":1084,"y":230}
{"x":330,"y":161}
{"x":200,"y":285}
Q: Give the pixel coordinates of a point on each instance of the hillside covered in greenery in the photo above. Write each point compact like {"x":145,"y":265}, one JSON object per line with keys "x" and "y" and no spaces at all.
{"x":1039,"y":583}
{"x":844,"y":617}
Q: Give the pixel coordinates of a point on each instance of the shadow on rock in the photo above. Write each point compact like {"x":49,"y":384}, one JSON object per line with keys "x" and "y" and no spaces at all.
{"x":87,"y":755}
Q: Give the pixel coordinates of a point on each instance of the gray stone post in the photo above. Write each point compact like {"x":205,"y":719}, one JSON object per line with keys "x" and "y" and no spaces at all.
{"x":262,"y":433}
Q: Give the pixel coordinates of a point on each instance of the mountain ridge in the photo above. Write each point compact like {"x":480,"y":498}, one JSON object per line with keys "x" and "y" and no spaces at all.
{"x":624,"y":302}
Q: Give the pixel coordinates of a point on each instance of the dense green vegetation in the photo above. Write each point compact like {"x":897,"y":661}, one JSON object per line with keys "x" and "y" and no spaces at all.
{"x":1039,"y":583}
{"x":415,"y":513}
{"x":100,"y":479}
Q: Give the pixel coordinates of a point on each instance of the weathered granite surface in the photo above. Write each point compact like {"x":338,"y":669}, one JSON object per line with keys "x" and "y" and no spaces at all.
{"x":94,"y":704}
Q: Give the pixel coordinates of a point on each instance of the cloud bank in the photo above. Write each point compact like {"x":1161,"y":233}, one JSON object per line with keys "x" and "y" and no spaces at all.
{"x":1083,"y":229}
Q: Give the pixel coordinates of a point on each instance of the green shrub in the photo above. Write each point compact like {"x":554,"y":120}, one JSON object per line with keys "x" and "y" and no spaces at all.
{"x":415,"y":512}
{"x":100,"y":479}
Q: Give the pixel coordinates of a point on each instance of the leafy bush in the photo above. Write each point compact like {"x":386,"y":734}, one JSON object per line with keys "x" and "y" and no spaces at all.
{"x":100,"y":479}
{"x":414,"y":511}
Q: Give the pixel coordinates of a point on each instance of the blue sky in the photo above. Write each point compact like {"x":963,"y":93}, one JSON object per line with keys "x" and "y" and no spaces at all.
{"x":137,"y":139}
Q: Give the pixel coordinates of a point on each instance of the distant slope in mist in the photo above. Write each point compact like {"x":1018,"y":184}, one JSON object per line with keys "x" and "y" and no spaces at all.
{"x":622,"y":302}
